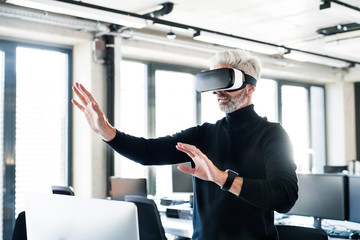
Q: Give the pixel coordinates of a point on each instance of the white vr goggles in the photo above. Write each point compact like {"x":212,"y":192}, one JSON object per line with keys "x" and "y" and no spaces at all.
{"x":222,"y":79}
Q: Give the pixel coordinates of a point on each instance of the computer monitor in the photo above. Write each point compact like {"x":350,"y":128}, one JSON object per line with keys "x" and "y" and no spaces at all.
{"x":181,"y":182}
{"x":120,"y":187}
{"x":56,"y":216}
{"x":354,"y":198}
{"x":322,"y":196}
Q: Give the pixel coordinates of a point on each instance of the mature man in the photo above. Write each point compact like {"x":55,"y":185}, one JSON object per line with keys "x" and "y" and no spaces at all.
{"x":242,"y":165}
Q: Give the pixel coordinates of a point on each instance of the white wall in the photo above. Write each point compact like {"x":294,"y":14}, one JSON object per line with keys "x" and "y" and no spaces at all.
{"x":340,"y":113}
{"x":89,"y":152}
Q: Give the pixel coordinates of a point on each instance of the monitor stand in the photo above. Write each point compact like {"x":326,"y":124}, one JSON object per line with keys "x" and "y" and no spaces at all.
{"x":317,"y":223}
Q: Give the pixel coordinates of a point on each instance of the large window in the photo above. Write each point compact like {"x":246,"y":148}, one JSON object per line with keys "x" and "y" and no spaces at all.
{"x":155,"y":100}
{"x":41,"y":121}
{"x":175,"y":111}
{"x":133,"y":114}
{"x":301,"y":110}
{"x":35,"y":82}
{"x":166,"y":103}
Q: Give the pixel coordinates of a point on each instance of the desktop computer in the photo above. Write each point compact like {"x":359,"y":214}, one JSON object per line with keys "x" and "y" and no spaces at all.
{"x":78,"y":218}
{"x":354,"y":198}
{"x":120,"y":187}
{"x":322,"y":196}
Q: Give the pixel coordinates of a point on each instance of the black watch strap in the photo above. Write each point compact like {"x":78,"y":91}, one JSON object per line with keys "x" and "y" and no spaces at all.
{"x":230,"y":179}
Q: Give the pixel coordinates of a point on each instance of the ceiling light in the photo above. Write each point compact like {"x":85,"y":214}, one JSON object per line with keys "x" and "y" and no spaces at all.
{"x":236,"y":42}
{"x":306,"y":57}
{"x":340,"y":28}
{"x":342,"y":10}
{"x":82,"y":11}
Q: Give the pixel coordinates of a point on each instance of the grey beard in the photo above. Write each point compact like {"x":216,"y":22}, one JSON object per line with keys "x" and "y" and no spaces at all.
{"x":235,"y":102}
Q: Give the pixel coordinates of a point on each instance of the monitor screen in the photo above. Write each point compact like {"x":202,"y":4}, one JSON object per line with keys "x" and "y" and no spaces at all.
{"x":354,"y":198}
{"x":120,"y":187}
{"x":181,"y":182}
{"x":322,"y":196}
{"x":79,"y":218}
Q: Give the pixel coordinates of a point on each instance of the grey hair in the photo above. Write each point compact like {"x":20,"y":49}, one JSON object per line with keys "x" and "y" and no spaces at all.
{"x":239,"y":59}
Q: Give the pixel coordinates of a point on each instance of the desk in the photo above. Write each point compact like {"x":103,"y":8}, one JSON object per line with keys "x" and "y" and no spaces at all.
{"x":183,"y":227}
{"x":177,"y":226}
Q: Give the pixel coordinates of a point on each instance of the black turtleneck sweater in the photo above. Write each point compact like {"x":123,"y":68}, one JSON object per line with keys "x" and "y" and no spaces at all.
{"x":258,"y":150}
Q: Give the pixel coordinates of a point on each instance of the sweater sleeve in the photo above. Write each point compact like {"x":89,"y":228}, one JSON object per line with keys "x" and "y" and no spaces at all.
{"x":156,"y":151}
{"x":279,"y":190}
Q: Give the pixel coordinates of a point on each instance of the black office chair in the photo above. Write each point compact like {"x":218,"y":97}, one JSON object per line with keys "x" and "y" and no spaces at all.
{"x":287,"y":232}
{"x":150,"y":226}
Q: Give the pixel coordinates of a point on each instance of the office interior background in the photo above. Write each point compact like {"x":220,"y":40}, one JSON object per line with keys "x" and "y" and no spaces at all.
{"x":139,"y":58}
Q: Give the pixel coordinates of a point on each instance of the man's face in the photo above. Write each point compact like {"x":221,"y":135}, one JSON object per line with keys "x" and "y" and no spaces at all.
{"x":232,"y":101}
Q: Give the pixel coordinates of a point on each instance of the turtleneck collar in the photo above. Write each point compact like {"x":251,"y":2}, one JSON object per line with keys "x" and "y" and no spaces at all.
{"x":244,"y":115}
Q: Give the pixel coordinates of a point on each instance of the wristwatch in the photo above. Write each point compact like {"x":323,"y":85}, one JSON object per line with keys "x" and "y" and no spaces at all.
{"x":230,"y":179}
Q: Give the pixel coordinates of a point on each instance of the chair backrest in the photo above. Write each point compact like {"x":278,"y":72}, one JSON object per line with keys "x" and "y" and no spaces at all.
{"x":150,"y":226}
{"x":287,"y":232}
{"x":19,"y":232}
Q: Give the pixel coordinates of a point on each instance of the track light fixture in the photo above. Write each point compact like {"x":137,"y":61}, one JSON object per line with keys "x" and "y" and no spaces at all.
{"x":341,"y":9}
{"x":232,"y":41}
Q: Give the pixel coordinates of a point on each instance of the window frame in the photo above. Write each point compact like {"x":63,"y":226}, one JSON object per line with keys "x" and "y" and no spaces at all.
{"x":151,"y":68}
{"x":307,"y":86}
{"x":9,"y":164}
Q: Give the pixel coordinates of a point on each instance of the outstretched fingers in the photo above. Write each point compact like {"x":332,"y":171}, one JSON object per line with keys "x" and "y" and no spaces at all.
{"x":86,"y":93}
{"x":78,"y":105}
{"x":80,"y":94}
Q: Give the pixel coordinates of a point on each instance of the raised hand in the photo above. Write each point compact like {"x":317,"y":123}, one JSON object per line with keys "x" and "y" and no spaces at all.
{"x":204,"y":167}
{"x":94,"y":115}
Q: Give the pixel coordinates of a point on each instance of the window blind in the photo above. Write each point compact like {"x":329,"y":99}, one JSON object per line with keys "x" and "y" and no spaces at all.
{"x":41,"y":121}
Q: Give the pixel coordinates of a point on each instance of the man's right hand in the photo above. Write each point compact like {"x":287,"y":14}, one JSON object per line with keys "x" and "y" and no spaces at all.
{"x":94,"y":115}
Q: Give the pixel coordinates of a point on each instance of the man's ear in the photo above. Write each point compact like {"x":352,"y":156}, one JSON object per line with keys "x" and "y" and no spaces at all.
{"x":251,"y":89}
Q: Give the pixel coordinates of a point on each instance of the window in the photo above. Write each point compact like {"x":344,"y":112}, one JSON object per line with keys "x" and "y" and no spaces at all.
{"x":34,"y":87}
{"x":265,"y":99}
{"x":295,"y":119}
{"x":175,"y":111}
{"x":133,"y":114}
{"x":41,"y":121}
{"x":301,"y":111}
{"x":210,"y":111}
{"x":147,"y":95}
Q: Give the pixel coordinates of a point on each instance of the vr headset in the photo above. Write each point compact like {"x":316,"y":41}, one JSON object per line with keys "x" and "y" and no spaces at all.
{"x":222,"y":79}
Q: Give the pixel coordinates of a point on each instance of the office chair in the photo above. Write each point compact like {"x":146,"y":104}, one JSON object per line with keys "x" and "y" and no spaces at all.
{"x":287,"y":232}
{"x":150,"y":226}
{"x":19,"y":232}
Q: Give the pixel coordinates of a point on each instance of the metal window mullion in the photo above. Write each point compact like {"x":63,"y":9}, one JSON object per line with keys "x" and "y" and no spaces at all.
{"x":151,"y":118}
{"x":9,"y":140}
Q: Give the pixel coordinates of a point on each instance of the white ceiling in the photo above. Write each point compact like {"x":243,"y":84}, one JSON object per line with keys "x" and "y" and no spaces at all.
{"x":291,"y":23}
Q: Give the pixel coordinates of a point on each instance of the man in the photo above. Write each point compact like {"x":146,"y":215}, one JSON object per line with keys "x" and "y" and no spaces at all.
{"x":242,"y":165}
